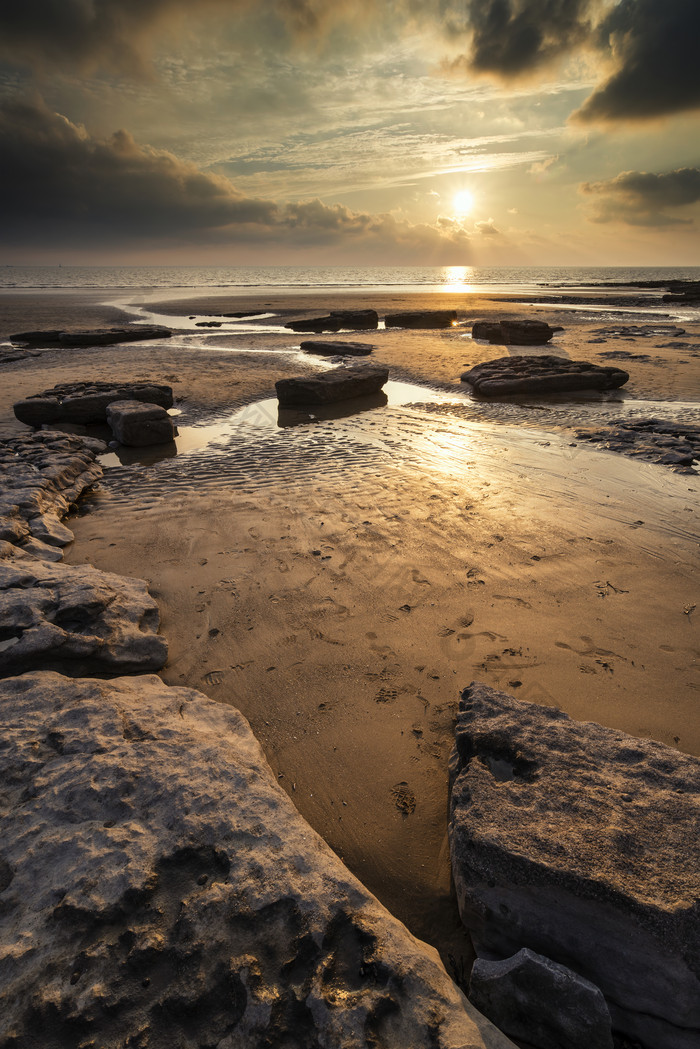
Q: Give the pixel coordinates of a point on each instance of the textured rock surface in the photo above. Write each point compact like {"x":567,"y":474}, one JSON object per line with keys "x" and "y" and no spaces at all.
{"x":136,"y":424}
{"x":93,"y":337}
{"x":158,"y":889}
{"x":86,"y":402}
{"x":421,"y":319}
{"x":545,"y":1004}
{"x":541,"y":374}
{"x":41,"y":476}
{"x":338,"y":320}
{"x":574,"y":840}
{"x":657,"y":440}
{"x":514,"y":332}
{"x":77,"y":619}
{"x":339,"y":384}
{"x":338,"y":349}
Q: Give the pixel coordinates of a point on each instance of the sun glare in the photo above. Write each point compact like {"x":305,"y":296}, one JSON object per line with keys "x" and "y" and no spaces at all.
{"x":463,"y":203}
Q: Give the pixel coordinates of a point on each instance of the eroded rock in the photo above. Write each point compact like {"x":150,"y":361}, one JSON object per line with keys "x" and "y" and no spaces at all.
{"x":337,"y":349}
{"x":524,"y":332}
{"x":136,"y":424}
{"x":90,"y":337}
{"x":338,"y":320}
{"x":421,"y":319}
{"x":572,"y":840}
{"x":532,"y":998}
{"x":158,"y":888}
{"x":540,"y":374}
{"x":86,"y":402}
{"x":338,"y":384}
{"x":76,"y":619}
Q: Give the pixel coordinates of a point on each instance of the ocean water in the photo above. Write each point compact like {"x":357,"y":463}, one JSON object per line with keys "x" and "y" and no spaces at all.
{"x":304,"y":278}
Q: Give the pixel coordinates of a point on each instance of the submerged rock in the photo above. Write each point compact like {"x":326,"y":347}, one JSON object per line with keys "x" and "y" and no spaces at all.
{"x":158,"y":888}
{"x":136,"y":424}
{"x":338,"y":320}
{"x":545,"y":1004}
{"x":339,"y":384}
{"x":92,"y":337}
{"x":541,"y":374}
{"x":573,"y":840}
{"x":514,"y":332}
{"x":421,"y":319}
{"x":86,"y":402}
{"x":76,"y":619}
{"x":337,"y":349}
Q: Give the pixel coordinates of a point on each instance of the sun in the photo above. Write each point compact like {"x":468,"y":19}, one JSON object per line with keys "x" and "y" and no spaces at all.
{"x":463,"y":203}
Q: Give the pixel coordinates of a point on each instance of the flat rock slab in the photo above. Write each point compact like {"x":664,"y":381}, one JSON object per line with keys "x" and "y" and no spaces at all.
{"x":339,"y":384}
{"x":421,"y":319}
{"x":541,"y":374}
{"x":76,"y":619}
{"x":658,"y":441}
{"x":338,"y":320}
{"x":89,"y":337}
{"x":41,"y":476}
{"x":158,"y":889}
{"x":137,"y":424}
{"x":534,"y":999}
{"x":575,"y":841}
{"x":337,"y":349}
{"x":86,"y":402}
{"x":514,"y":332}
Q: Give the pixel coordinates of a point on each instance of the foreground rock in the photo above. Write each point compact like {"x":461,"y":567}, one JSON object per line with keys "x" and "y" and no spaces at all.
{"x":137,"y":424}
{"x":421,"y":319}
{"x":338,"y":320}
{"x":541,"y":374}
{"x":147,"y":900}
{"x":337,"y":349}
{"x":574,"y":840}
{"x":76,"y":619}
{"x":93,"y":337}
{"x":514,"y":333}
{"x":339,"y":384}
{"x":86,"y":402}
{"x":544,"y":1004}
{"x":42,"y":475}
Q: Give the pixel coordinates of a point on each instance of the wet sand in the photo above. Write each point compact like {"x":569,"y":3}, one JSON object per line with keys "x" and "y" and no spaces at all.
{"x":341,"y":581}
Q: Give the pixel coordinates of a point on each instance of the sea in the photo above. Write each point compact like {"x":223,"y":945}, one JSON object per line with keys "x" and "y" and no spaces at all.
{"x":244,"y":279}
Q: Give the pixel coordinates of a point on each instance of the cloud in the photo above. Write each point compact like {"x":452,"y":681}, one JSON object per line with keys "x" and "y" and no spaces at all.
{"x":60,"y":185}
{"x":639,"y":198}
{"x":487,"y":228}
{"x":655,"y":46}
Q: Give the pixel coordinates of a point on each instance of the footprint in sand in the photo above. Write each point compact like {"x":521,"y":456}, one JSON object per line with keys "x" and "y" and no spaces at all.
{"x":404,"y":798}
{"x":418,"y":578}
{"x":214,"y":677}
{"x":386,"y":695}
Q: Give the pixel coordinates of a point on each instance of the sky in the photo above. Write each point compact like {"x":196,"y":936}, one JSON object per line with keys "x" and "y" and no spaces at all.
{"x":350,"y":132}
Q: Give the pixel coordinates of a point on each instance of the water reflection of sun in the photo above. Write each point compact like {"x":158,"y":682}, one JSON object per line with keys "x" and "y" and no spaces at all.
{"x":457,"y":278}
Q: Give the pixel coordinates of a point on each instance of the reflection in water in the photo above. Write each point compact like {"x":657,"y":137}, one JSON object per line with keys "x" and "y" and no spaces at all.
{"x":326,"y":412}
{"x":458,"y":279}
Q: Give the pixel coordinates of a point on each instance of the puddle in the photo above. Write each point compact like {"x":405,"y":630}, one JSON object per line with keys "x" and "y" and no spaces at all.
{"x":268,"y":417}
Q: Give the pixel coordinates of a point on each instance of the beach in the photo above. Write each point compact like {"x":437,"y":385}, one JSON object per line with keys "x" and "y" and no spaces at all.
{"x":341,"y":580}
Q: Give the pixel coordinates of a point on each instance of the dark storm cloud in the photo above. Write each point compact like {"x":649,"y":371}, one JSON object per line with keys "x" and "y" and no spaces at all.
{"x":639,"y":198}
{"x":58,"y":184}
{"x":655,"y":43}
{"x":511,"y":37}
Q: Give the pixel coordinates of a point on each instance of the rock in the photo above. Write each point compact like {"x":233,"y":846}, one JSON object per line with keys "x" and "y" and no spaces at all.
{"x":546,"y":1005}
{"x":86,"y":402}
{"x":94,"y":337}
{"x":76,"y":619}
{"x":514,"y":332}
{"x":338,"y":349}
{"x":41,"y":476}
{"x":208,"y":324}
{"x":421,"y":319}
{"x":668,"y":443}
{"x":573,"y":840}
{"x":338,"y":384}
{"x":136,"y":424}
{"x":338,"y":320}
{"x":158,"y":888}
{"x":541,"y":374}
